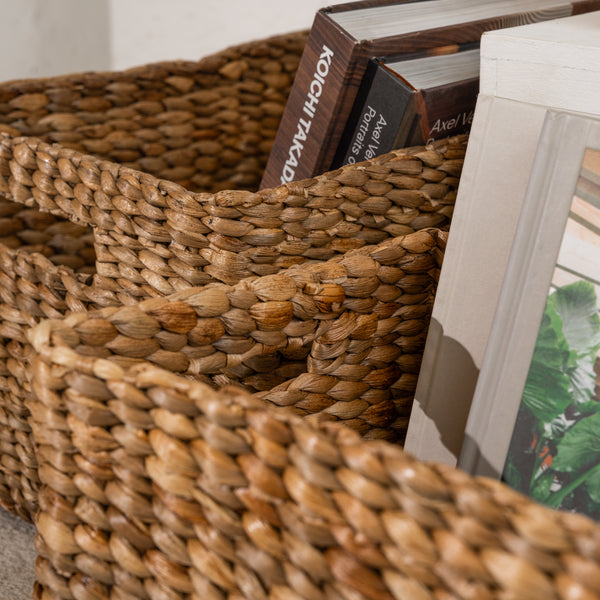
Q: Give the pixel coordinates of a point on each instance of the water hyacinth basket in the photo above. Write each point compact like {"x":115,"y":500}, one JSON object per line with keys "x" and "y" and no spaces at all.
{"x":121,"y":187}
{"x":163,"y":487}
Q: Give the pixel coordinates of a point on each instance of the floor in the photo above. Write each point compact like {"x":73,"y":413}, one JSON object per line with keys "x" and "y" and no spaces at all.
{"x":17,"y":557}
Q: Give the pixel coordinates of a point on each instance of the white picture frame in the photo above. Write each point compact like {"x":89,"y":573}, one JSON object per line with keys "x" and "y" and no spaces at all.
{"x":543,"y":246}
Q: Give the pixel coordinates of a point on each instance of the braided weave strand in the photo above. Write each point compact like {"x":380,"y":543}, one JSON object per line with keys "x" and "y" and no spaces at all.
{"x":164,"y":487}
{"x":123,"y":186}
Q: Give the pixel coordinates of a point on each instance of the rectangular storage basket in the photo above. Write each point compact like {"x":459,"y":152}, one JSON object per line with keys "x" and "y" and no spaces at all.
{"x":162,"y":487}
{"x":167,"y":201}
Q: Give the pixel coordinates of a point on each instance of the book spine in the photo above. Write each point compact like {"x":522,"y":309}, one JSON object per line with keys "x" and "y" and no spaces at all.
{"x":585,"y":6}
{"x":445,"y":111}
{"x":380,"y":112}
{"x":325,"y":76}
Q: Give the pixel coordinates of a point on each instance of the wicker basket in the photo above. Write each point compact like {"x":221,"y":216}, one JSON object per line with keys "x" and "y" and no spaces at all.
{"x":177,"y":210}
{"x":202,"y":126}
{"x":161,"y":487}
{"x":342,"y":339}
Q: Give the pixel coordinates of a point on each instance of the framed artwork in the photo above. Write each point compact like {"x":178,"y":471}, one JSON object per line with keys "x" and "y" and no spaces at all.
{"x":535,"y":415}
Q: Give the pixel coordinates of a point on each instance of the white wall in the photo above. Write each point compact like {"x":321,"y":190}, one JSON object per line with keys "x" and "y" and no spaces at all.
{"x":49,"y":37}
{"x":151,"y":30}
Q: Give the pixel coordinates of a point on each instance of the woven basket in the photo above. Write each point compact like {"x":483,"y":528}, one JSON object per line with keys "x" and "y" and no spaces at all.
{"x":161,"y":487}
{"x":205,"y":126}
{"x":166,"y":201}
{"x":342,"y":339}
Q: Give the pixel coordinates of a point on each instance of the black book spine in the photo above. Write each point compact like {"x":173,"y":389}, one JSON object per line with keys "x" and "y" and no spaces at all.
{"x":382,"y":104}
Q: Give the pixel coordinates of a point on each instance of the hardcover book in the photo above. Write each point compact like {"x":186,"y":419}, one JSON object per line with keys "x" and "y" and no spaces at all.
{"x":342,"y":39}
{"x":411,"y":102}
{"x":525,"y":71}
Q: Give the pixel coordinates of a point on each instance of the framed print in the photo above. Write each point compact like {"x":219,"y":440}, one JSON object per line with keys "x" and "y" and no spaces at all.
{"x":535,"y":416}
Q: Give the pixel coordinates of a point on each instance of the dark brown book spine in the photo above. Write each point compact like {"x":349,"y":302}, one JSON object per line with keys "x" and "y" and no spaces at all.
{"x":585,"y":6}
{"x":326,"y":71}
{"x":444,"y":111}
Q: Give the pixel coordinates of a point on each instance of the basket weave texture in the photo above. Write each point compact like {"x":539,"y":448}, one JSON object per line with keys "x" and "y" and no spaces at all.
{"x":199,"y":126}
{"x":342,"y":339}
{"x":162,"y":487}
{"x":166,"y":201}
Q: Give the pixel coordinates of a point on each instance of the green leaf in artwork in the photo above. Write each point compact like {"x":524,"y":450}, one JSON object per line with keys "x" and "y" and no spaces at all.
{"x":541,"y":489}
{"x":592,"y":485}
{"x":579,"y":447}
{"x":546,"y":391}
{"x":576,"y":306}
{"x":561,"y":371}
{"x":583,"y":384}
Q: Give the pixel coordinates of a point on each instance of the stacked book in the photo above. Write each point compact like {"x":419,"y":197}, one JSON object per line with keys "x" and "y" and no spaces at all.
{"x":413,"y":57}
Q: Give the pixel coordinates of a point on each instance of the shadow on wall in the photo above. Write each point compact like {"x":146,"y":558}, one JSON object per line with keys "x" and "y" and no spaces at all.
{"x":444,"y":400}
{"x":474,"y":456}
